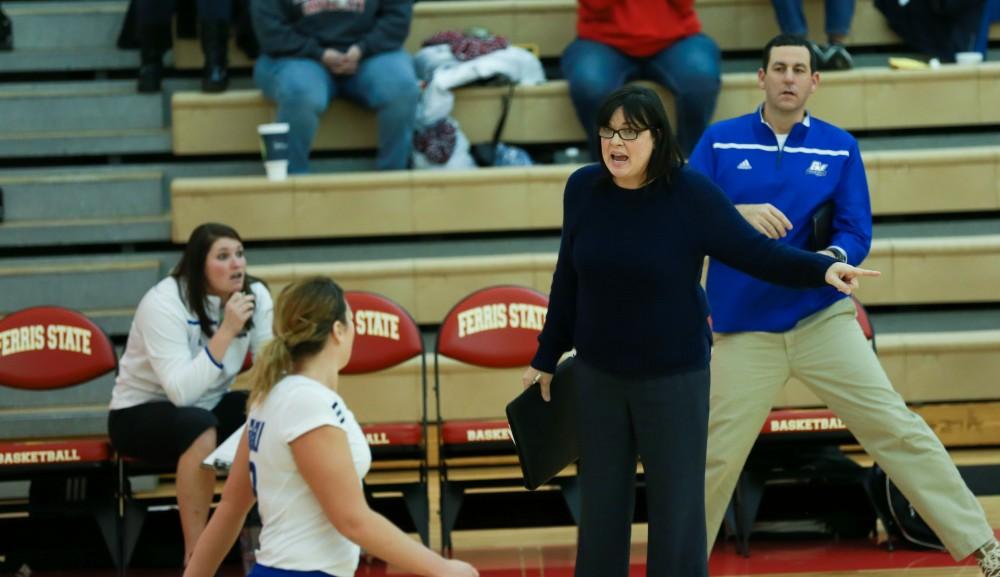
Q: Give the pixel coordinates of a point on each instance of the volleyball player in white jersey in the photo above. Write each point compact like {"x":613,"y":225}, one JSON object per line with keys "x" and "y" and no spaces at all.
{"x":303,"y":455}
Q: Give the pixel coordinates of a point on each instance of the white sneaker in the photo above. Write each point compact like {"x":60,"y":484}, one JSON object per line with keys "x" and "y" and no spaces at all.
{"x":990,"y":563}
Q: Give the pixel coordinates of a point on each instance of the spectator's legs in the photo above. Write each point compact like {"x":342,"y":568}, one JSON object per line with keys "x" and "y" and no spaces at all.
{"x":6,"y":32}
{"x":593,"y":71}
{"x":831,"y":356}
{"x":302,"y":89}
{"x":838,"y":22}
{"x":162,"y":433}
{"x":607,"y":474}
{"x":791,"y":18}
{"x":153,"y":19}
{"x":748,"y":369}
{"x":195,"y":488}
{"x":670,"y":420}
{"x":388,"y":84}
{"x":839,"y":14}
{"x":215,"y":16}
{"x":690,"y":68}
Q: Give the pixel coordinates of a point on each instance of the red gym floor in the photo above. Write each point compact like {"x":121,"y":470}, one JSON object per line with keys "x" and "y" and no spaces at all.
{"x":811,"y":558}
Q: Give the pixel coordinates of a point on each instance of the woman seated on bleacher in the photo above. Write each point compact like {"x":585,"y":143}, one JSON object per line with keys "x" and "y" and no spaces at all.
{"x":171,"y":403}
{"x":313,"y":52}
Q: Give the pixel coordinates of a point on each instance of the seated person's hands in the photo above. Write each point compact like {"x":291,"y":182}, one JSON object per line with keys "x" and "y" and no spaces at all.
{"x":342,"y":63}
{"x":239,"y":309}
{"x":766,"y":218}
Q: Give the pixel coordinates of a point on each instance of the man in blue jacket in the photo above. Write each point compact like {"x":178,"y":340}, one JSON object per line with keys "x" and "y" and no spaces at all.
{"x":779,"y":165}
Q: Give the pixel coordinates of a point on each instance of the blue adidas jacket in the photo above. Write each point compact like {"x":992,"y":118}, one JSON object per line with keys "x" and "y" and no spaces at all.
{"x":819,"y":162}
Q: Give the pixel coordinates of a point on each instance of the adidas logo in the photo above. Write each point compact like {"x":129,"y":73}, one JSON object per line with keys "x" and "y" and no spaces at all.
{"x":745,"y":165}
{"x":817,"y":168}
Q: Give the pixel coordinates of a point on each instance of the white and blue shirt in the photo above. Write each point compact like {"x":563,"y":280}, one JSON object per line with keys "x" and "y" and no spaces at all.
{"x":296,"y":533}
{"x":167,"y":356}
{"x":816,"y":163}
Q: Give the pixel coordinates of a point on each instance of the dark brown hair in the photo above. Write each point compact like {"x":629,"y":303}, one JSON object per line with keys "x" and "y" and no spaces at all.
{"x":190,"y":272}
{"x":643,"y":108}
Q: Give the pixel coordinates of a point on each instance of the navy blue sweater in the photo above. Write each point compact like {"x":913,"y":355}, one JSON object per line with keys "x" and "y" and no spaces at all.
{"x":626,"y":290}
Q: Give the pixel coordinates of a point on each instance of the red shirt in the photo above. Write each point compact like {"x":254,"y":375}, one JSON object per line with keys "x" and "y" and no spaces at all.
{"x":637,"y":27}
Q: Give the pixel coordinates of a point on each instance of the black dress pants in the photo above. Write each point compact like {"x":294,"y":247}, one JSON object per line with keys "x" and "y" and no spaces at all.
{"x":664,"y":421}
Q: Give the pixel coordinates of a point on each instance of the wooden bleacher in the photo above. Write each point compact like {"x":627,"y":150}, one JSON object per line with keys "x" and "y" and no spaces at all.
{"x":505,"y":199}
{"x":737,"y":25}
{"x":859,"y":99}
{"x":428,"y":286}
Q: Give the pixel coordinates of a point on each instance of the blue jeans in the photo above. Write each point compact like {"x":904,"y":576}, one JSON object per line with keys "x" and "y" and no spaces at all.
{"x":689,"y":68}
{"x":303,"y":88}
{"x":792,"y":20}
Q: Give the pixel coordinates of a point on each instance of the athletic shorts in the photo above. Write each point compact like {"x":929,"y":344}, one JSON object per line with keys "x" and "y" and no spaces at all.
{"x":160,"y":432}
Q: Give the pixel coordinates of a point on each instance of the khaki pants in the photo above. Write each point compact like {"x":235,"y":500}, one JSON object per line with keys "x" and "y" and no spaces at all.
{"x":828,"y":352}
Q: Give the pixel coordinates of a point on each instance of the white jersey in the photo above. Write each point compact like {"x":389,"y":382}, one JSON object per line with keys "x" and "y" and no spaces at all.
{"x":167,"y":356}
{"x":296,"y":534}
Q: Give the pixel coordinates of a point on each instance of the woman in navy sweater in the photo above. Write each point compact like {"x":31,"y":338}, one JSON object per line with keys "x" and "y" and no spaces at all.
{"x":626,"y":294}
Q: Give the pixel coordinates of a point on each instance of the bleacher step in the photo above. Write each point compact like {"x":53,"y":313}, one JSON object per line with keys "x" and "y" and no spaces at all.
{"x":944,"y":228}
{"x":869,"y":99}
{"x":69,"y":107}
{"x":85,"y":143}
{"x":75,"y":232}
{"x":79,"y":285}
{"x":888,"y":322}
{"x":67,"y":207}
{"x":27,"y":60}
{"x":100,"y":194}
{"x":66,"y":25}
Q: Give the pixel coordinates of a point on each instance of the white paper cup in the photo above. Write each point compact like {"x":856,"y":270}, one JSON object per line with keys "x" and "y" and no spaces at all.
{"x":276,"y":169}
{"x":274,"y":149}
{"x":968,"y":58}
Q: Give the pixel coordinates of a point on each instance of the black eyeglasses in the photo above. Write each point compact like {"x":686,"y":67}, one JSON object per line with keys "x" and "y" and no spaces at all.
{"x":607,"y":133}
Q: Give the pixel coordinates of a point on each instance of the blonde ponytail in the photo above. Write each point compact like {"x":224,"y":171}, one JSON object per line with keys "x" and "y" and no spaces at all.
{"x":304,"y":315}
{"x":273,"y":362}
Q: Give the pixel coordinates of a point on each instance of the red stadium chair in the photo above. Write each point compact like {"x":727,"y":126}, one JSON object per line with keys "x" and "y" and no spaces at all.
{"x":496,"y":327}
{"x":386,"y":335}
{"x":46,"y":349}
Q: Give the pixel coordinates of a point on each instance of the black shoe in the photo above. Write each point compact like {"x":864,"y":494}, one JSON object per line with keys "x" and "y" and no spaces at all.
{"x":215,"y":46}
{"x":150,"y":74}
{"x":836,"y":57}
{"x":150,"y":78}
{"x":819,"y":53}
{"x":6,"y":32}
{"x":214,"y":78}
{"x":154,"y":41}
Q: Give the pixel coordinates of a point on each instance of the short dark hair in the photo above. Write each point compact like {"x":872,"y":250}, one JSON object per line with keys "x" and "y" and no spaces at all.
{"x":790,"y":40}
{"x":190,"y":271}
{"x":643,"y":108}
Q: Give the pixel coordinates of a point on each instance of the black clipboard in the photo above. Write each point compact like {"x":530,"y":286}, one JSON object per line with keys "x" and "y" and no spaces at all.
{"x":822,"y":226}
{"x":544,"y":433}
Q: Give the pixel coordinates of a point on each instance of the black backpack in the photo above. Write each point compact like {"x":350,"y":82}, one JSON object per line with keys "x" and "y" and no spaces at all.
{"x":901,"y":520}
